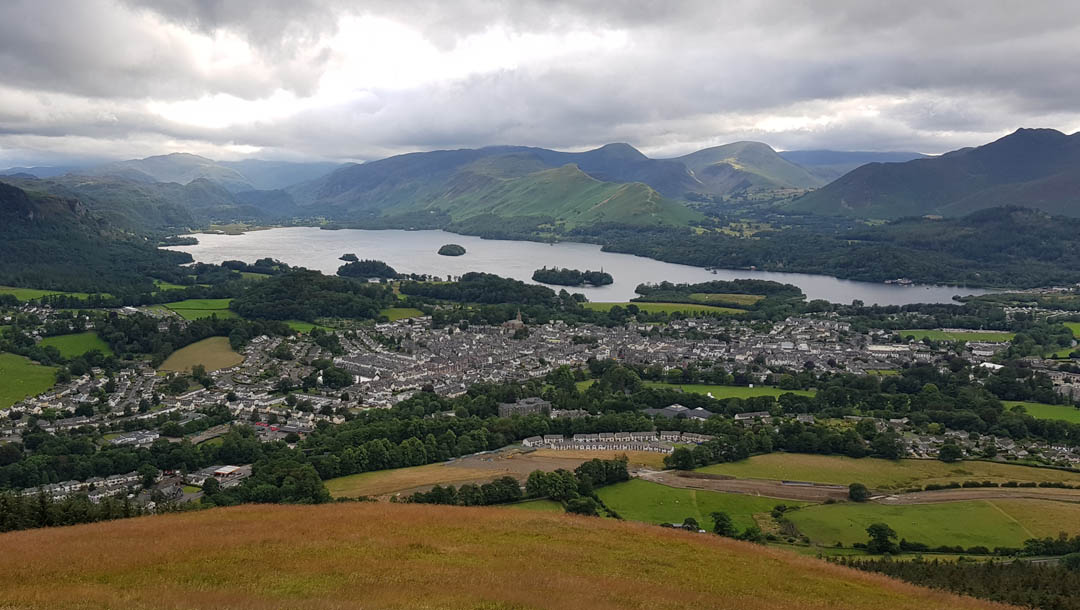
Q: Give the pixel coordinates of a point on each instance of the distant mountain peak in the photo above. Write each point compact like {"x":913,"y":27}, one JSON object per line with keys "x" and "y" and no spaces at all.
{"x":621,"y":150}
{"x":1037,"y":168}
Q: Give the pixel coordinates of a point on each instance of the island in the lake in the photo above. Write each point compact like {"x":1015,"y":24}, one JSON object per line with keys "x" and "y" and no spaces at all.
{"x":452,"y":250}
{"x":367,"y":269}
{"x":572,"y":277}
{"x":348,"y":257}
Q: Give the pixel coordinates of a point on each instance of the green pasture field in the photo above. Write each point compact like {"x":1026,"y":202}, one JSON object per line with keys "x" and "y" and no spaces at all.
{"x":163,"y":285}
{"x":28,"y":294}
{"x":77,"y":344}
{"x":881,"y":474}
{"x":304,"y":327}
{"x":1040,"y":410}
{"x":400,"y":313}
{"x":197,"y":309}
{"x":974,"y":335}
{"x":213,"y":353}
{"x":988,"y":523}
{"x":669,"y":308}
{"x":1074,"y":327}
{"x":251,"y":275}
{"x":544,"y":506}
{"x":729,"y":391}
{"x":21,"y":377}
{"x":640,"y":500}
{"x":744,"y":300}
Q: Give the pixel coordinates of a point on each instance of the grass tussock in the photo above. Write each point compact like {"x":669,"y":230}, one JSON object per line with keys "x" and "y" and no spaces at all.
{"x":411,"y":556}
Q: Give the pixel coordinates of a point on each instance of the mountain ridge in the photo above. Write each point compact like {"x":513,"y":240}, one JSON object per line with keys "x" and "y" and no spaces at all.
{"x":1002,"y":172}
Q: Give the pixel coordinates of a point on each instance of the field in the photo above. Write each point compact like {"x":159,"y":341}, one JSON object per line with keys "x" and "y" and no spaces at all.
{"x":728,"y":391}
{"x":1074,"y":327}
{"x":400,"y":313}
{"x":27,"y":294}
{"x":304,"y":327}
{"x":473,"y":469}
{"x":543,"y":506}
{"x":988,"y":523}
{"x":973,"y":335}
{"x":213,"y":353}
{"x":21,"y":377}
{"x":685,"y":308}
{"x":77,"y":344}
{"x":196,"y":309}
{"x":381,"y":555}
{"x":163,"y":285}
{"x":1039,"y":410}
{"x":880,"y":474}
{"x":640,"y":500}
{"x":744,"y":300}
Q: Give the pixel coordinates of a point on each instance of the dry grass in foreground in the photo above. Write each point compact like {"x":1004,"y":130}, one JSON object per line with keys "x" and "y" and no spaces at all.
{"x":376,"y":555}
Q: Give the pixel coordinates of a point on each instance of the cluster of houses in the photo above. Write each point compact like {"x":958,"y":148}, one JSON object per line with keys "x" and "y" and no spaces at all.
{"x":96,"y":488}
{"x":659,"y":442}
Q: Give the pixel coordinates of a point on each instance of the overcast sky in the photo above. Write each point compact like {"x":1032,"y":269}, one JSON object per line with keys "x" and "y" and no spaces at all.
{"x":349,"y":80}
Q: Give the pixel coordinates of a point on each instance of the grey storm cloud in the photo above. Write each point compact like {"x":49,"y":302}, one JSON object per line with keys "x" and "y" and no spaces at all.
{"x":100,"y":77}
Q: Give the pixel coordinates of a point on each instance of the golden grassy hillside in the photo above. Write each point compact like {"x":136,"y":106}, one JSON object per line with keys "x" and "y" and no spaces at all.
{"x":412,"y":556}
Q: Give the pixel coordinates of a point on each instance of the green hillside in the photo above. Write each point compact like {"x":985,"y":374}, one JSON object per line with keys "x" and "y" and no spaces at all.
{"x":54,"y":243}
{"x":502,"y":181}
{"x":566,"y":194}
{"x":746,"y":165}
{"x":1031,"y":168}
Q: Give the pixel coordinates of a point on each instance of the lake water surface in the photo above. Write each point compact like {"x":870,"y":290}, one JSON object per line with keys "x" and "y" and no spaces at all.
{"x":415,"y":252}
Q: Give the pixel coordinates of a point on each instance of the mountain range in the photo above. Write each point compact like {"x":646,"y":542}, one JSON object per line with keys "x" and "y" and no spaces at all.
{"x":1036,"y":168}
{"x":616,"y":183}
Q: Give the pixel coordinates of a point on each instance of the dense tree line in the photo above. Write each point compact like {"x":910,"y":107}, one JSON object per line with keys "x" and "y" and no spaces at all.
{"x":998,"y":246}
{"x":1033,"y":585}
{"x":572,"y":277}
{"x":680,"y":293}
{"x":28,"y":512}
{"x":364,"y":269}
{"x":308,"y":295}
{"x":484,"y":288}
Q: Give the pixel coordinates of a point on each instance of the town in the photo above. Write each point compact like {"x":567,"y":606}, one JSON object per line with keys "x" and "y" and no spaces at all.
{"x":390,"y":362}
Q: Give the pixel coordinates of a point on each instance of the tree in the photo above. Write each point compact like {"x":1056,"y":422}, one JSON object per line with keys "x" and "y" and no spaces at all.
{"x":691,"y":524}
{"x":753,"y":534}
{"x":950,"y":452}
{"x":681,"y":459}
{"x":149,"y":475}
{"x":583,"y":506}
{"x":858,"y":492}
{"x":881,"y":539}
{"x":722,"y":525}
{"x":211,"y":486}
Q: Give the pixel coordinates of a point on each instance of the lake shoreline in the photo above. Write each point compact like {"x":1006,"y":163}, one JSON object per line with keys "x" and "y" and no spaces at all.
{"x":414,"y":251}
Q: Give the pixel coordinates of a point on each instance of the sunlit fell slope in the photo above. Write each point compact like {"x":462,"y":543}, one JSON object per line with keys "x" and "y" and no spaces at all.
{"x":411,"y":556}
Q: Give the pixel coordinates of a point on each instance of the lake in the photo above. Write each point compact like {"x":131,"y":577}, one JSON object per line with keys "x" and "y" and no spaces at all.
{"x":415,"y":252}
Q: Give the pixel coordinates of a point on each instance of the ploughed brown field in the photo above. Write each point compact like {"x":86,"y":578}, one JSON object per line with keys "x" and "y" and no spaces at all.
{"x":381,"y":555}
